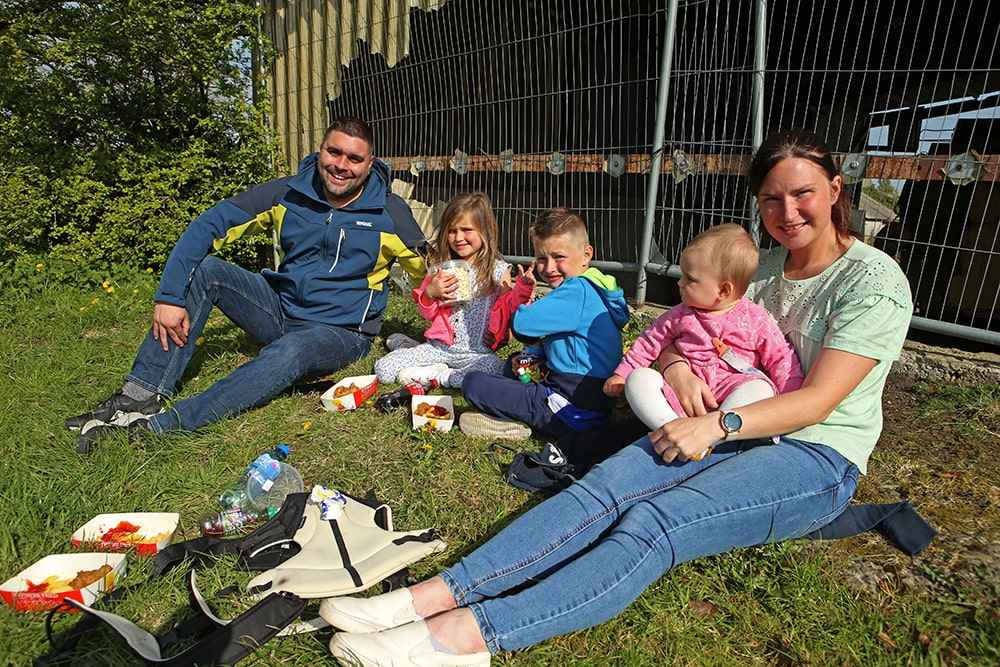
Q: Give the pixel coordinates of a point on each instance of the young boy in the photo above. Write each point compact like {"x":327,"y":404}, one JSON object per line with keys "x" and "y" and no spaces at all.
{"x":578,"y":325}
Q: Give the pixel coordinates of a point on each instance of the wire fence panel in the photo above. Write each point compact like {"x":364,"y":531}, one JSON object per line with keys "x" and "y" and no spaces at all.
{"x":555,"y":102}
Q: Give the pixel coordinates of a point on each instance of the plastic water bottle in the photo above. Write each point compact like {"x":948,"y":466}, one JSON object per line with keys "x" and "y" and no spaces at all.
{"x":401,"y":397}
{"x":270,"y":483}
{"x":236,"y":495}
{"x":234,"y":521}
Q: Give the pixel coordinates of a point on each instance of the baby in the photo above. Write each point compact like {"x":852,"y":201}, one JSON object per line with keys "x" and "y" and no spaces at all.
{"x":728,"y":341}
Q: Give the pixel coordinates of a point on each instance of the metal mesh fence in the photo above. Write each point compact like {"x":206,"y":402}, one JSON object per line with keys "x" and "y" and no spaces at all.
{"x":642,"y":116}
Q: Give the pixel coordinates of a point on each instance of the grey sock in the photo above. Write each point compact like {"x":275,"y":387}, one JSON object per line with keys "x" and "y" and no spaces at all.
{"x":137,"y":393}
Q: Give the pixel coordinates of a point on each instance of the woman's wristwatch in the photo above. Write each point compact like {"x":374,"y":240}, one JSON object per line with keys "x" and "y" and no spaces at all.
{"x":731,"y":423}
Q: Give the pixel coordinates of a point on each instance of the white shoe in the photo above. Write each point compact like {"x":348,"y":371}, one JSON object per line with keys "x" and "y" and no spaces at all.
{"x":406,"y":646}
{"x":374,"y":614}
{"x":398,"y":340}
{"x":482,"y":425}
{"x":421,"y":374}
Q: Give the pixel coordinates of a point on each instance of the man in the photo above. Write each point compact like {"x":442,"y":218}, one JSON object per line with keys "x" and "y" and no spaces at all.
{"x":339,"y":229}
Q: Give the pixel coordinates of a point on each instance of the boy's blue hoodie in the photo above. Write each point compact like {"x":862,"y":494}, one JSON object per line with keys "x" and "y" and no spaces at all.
{"x":580,"y":326}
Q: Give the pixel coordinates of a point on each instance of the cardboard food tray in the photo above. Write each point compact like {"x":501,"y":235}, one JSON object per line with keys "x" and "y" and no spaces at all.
{"x":156,"y":531}
{"x":432,"y":423}
{"x":368,"y":385}
{"x":61,"y":567}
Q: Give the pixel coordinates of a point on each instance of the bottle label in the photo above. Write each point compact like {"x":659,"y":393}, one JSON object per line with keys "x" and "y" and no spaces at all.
{"x":231,"y":521}
{"x":416,"y":389}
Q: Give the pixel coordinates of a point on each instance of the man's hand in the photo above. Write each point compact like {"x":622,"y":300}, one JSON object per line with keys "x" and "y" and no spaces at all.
{"x":614,"y":386}
{"x":170,"y":321}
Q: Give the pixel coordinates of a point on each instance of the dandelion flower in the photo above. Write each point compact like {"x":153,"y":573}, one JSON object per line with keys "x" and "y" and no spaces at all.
{"x":427,"y":446}
{"x":305,"y":427}
{"x":39,"y":266}
{"x":111,"y":288}
{"x":94,"y":300}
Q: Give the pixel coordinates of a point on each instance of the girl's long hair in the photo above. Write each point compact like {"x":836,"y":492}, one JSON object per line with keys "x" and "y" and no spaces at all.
{"x":475,"y":206}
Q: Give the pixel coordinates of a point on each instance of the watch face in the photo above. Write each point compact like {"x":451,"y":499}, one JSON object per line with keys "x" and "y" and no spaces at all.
{"x":732,"y":422}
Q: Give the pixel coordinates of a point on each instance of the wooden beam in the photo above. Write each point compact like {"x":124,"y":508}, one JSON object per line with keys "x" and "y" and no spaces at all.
{"x":910,"y":168}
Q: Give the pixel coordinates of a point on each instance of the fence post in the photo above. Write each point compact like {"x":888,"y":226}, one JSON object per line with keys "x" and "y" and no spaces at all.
{"x":757,"y":102}
{"x":656,"y":151}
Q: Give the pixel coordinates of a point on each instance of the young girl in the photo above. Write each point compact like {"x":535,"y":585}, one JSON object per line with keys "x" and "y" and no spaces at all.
{"x":463,"y":335}
{"x":726,"y":339}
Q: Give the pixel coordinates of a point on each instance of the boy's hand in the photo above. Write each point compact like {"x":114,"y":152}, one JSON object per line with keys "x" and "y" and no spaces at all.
{"x":614,"y":386}
{"x":443,"y":284}
{"x":527,"y":276}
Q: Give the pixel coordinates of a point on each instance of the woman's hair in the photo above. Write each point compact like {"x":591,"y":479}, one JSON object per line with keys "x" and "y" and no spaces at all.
{"x":477,"y":208}
{"x":808,"y":146}
{"x":731,"y":251}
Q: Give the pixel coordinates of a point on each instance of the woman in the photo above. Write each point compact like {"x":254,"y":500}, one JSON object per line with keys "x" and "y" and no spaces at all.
{"x":582,"y":556}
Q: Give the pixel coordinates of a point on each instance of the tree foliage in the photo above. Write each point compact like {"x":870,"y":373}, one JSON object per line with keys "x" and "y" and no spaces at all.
{"x":120,"y":120}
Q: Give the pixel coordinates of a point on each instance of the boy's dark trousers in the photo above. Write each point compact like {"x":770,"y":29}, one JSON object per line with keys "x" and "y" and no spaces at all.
{"x":506,"y":396}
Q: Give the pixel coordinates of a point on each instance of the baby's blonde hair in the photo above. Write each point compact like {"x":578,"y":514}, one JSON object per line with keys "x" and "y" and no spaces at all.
{"x":732,"y":251}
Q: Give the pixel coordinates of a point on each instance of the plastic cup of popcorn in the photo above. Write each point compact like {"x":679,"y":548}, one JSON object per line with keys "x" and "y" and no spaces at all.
{"x":460,"y":269}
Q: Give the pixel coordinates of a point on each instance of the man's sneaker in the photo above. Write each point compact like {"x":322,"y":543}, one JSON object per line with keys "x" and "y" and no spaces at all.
{"x":397,"y":340}
{"x":422,"y":374}
{"x":128,"y":424}
{"x":481,"y":425}
{"x":117,"y":405}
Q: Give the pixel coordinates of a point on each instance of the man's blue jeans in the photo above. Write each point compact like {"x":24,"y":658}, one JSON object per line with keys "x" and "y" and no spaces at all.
{"x":582,"y":556}
{"x":293,"y":349}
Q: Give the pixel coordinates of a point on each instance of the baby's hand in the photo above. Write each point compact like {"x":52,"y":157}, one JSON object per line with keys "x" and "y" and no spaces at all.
{"x":614,"y":386}
{"x":527,"y":276}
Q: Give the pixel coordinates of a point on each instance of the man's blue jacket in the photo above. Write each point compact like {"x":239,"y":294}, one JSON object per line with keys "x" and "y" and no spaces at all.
{"x":334,"y":261}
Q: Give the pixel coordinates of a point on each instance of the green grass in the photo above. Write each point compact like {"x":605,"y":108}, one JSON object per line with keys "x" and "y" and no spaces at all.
{"x":63,"y":350}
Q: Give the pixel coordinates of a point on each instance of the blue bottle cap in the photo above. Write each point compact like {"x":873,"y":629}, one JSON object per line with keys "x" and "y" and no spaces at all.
{"x":284,"y":449}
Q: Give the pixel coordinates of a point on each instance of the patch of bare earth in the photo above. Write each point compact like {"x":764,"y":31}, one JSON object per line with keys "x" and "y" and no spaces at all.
{"x":948,"y":472}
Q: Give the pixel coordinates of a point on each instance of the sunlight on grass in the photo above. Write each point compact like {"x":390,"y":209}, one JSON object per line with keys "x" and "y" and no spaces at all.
{"x":787,"y":604}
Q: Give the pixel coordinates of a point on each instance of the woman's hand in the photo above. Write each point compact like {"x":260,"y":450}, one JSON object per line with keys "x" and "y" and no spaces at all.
{"x":692,"y":392}
{"x":170,"y":321}
{"x":688,"y":437}
{"x":443,"y":284}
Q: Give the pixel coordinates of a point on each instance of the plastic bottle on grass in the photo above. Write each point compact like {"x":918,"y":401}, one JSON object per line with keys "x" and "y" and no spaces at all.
{"x":234,"y":521}
{"x":401,"y":397}
{"x":269,"y":484}
{"x":236,"y":495}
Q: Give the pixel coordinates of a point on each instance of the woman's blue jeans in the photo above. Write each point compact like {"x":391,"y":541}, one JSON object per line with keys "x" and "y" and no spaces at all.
{"x":582,"y":556}
{"x":292,"y":349}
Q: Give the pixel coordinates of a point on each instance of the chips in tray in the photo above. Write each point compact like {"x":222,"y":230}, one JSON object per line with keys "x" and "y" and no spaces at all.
{"x":432,"y":413}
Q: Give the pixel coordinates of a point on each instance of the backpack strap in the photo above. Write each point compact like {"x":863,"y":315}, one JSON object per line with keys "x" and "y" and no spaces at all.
{"x":241,"y":636}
